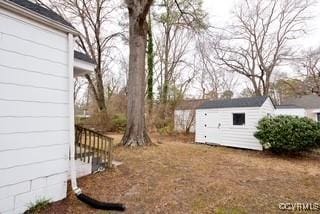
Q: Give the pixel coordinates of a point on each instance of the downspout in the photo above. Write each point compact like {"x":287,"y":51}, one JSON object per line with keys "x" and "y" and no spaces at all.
{"x":71,"y":114}
{"x":84,"y":198}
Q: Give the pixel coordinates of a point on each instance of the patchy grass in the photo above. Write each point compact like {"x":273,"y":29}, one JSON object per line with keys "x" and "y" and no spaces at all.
{"x":38,"y":206}
{"x":229,"y":211}
{"x":176,"y":177}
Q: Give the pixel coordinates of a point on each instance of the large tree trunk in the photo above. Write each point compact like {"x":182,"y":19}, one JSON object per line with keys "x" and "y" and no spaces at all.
{"x":136,"y":134}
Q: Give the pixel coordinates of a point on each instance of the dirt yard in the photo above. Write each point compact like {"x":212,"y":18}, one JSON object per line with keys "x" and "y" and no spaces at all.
{"x":181,"y":177}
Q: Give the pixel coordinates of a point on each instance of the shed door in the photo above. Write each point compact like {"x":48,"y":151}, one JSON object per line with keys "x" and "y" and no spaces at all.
{"x":212,"y":126}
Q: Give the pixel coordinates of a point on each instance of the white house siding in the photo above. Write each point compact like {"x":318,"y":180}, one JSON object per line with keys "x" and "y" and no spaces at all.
{"x":182,"y":119}
{"x":228,"y":134}
{"x":312,"y":114}
{"x":300,"y":112}
{"x":34,"y":113}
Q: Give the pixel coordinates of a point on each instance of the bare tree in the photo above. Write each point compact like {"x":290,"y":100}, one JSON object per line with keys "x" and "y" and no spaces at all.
{"x":77,"y":86}
{"x":171,"y":59}
{"x":311,"y":65}
{"x":213,"y":80}
{"x":91,"y":19}
{"x":178,"y":21}
{"x":259,"y":40}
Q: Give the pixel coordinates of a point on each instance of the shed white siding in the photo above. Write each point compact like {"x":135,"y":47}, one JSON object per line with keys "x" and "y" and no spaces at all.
{"x":34,"y":113}
{"x":215,"y":126}
{"x":267,"y":109}
{"x":183,"y":119}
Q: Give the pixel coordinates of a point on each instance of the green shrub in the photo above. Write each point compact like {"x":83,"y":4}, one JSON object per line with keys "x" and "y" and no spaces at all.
{"x":119,"y":122}
{"x":166,"y":130}
{"x":288,"y":134}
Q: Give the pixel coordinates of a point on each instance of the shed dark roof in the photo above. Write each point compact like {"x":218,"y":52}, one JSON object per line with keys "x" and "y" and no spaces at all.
{"x":311,"y":101}
{"x":287,"y":106}
{"x":42,"y":10}
{"x":231,"y":103}
{"x":190,"y":104}
{"x":83,"y":57}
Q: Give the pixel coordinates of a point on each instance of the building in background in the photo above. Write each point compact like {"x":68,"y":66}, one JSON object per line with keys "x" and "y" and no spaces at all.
{"x":184,"y":115}
{"x":292,"y":110}
{"x":310,"y":103}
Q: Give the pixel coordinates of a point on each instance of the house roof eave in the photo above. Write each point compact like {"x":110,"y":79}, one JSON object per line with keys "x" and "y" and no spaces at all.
{"x":27,"y":13}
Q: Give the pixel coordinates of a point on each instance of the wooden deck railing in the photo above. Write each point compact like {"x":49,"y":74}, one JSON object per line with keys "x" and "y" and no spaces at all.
{"x":91,"y":145}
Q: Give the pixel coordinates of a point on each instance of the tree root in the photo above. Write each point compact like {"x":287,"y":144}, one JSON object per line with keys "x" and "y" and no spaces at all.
{"x":131,"y":140}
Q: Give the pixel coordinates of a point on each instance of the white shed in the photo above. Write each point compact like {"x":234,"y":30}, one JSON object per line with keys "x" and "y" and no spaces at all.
{"x":37,"y":66}
{"x":292,"y":110}
{"x":232,"y":122}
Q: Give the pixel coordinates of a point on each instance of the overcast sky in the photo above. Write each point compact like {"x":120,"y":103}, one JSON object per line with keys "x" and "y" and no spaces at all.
{"x":220,"y":12}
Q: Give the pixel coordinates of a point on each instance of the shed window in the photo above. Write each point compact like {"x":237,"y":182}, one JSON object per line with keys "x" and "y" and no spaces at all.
{"x":239,"y":119}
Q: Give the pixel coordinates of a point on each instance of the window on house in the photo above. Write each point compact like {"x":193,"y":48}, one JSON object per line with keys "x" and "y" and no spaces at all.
{"x":318,"y":117}
{"x":239,"y":119}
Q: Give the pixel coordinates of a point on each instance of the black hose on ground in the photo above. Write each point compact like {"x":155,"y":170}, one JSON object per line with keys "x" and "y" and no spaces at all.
{"x":100,"y":205}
